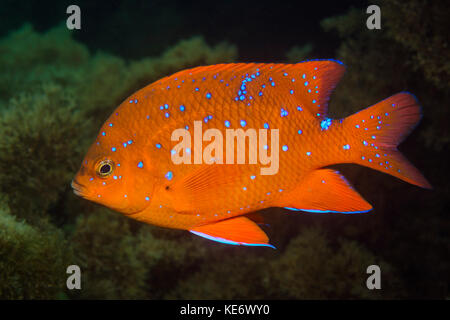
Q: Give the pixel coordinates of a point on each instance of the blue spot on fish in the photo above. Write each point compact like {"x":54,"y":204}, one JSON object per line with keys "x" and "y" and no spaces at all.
{"x":325,"y":124}
{"x":169,"y":175}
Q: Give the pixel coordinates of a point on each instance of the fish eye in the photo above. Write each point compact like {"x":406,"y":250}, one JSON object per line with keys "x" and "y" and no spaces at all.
{"x":105,"y":168}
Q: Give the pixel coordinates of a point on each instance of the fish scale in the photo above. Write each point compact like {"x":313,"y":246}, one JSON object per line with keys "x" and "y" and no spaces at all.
{"x":202,"y":107}
{"x":213,"y":200}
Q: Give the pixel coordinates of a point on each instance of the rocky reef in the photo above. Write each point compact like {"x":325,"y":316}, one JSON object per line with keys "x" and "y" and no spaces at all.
{"x":54,"y":95}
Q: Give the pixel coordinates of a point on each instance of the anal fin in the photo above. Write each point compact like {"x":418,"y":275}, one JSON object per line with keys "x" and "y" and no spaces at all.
{"x":324,"y":190}
{"x":235,"y":231}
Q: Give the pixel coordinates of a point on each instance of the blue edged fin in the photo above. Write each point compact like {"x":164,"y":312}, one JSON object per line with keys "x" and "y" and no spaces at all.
{"x":234,"y":231}
{"x":222,"y":240}
{"x":324,"y":190}
{"x":326,"y":211}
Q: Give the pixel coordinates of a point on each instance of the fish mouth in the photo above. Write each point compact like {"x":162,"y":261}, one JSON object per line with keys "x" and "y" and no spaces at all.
{"x":78,"y":188}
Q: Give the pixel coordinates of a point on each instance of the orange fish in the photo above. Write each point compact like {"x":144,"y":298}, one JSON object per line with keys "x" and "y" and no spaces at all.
{"x":130,"y":167}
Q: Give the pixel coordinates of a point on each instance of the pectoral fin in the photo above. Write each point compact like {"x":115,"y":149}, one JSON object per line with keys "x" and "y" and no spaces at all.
{"x":207,"y":188}
{"x":325,"y":190}
{"x":236,"y":231}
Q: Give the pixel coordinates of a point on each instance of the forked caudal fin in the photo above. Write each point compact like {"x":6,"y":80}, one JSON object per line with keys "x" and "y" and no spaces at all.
{"x":371,"y":139}
{"x":378,"y":130}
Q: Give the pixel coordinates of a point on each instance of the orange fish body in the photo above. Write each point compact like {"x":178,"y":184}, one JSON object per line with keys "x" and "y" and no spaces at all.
{"x":130,"y":166}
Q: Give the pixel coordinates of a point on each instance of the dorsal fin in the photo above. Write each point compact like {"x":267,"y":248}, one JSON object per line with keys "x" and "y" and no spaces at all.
{"x":302,"y":86}
{"x":320,"y":77}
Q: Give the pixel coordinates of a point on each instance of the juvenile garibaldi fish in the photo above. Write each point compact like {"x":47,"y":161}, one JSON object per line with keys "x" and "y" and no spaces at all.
{"x":281,"y":111}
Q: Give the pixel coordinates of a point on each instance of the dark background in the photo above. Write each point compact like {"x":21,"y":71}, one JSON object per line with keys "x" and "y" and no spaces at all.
{"x":55,"y":92}
{"x":263,"y":30}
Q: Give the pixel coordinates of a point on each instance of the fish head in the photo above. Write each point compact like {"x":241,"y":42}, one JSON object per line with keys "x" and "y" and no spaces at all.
{"x":113,"y":174}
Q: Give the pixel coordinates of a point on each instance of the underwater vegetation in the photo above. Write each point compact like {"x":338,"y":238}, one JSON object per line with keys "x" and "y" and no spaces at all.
{"x":55,"y":94}
{"x":52,"y":100}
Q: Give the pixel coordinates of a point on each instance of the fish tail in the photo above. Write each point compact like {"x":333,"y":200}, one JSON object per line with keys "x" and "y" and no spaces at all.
{"x":376,"y":132}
